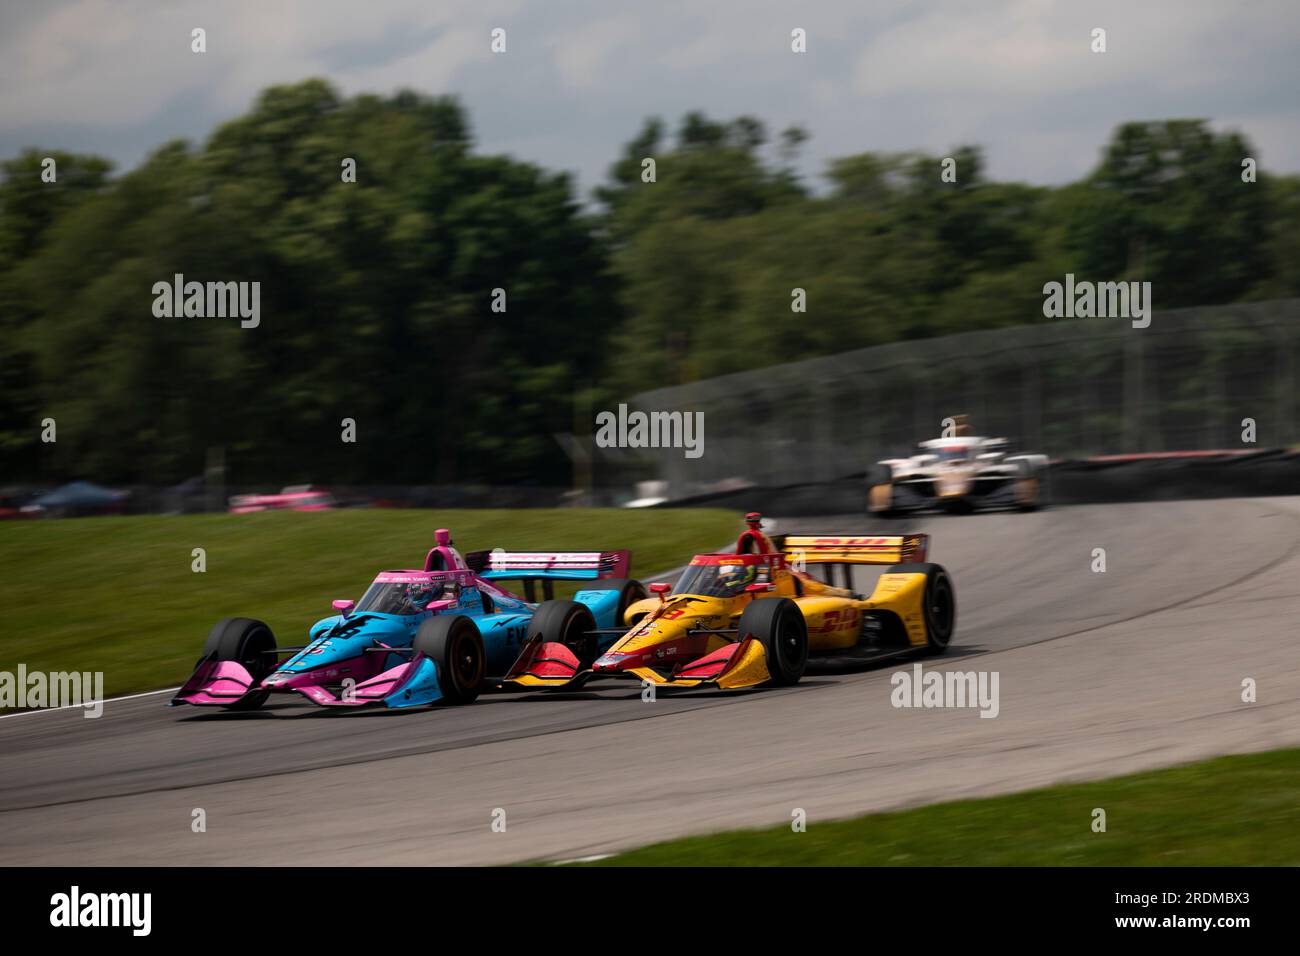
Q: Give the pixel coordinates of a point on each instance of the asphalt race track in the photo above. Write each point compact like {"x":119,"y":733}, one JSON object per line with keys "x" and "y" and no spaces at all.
{"x":1100,"y":674}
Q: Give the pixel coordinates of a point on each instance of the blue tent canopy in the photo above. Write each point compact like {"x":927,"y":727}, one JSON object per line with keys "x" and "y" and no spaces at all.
{"x":79,"y":494}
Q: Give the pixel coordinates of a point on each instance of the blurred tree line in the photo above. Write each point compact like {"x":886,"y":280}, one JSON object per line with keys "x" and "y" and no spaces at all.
{"x":376,"y":296}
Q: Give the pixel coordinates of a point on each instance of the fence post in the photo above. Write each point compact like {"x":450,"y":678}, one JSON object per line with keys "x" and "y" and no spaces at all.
{"x":1031,"y":402}
{"x":1134,"y":374}
{"x":1284,"y":386}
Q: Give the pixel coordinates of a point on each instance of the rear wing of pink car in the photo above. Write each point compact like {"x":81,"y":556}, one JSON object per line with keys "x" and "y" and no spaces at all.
{"x":557,"y":565}
{"x":549,"y":566}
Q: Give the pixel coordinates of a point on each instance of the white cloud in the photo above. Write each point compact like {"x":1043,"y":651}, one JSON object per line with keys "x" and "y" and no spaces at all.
{"x":1013,"y":75}
{"x":585,"y":56}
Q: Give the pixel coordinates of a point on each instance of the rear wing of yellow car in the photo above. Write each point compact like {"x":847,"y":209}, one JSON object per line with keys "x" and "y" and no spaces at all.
{"x":854,"y":549}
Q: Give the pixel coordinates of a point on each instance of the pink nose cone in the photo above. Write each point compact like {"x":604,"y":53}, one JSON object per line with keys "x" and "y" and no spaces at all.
{"x":442,"y":536}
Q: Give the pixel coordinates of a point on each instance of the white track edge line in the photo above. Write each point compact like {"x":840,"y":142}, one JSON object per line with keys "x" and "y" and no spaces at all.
{"x":111,"y":700}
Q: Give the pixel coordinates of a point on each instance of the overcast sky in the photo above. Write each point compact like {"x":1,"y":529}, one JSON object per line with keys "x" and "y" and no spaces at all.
{"x":117,"y":77}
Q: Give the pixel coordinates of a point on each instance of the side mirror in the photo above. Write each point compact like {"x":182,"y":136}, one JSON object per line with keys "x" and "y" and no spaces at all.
{"x":759,"y":586}
{"x":660,"y":588}
{"x":344,"y":607}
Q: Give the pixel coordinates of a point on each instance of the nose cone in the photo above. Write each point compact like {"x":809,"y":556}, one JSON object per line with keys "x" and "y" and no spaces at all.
{"x":953,"y":484}
{"x":341,"y":645}
{"x":613,"y":661}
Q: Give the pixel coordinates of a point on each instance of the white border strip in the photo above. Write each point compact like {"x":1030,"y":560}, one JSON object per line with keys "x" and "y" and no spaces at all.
{"x":111,"y":700}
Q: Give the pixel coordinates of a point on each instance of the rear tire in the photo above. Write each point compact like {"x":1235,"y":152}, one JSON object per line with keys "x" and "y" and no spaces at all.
{"x":455,"y":645}
{"x":779,"y":625}
{"x":630,"y":591}
{"x":243,"y":640}
{"x":940,"y":600}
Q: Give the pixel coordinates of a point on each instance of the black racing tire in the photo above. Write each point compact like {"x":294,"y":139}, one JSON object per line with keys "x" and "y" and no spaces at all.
{"x":630,"y":591}
{"x":455,"y":645}
{"x":567,"y":623}
{"x":779,"y":625}
{"x":1027,"y":474}
{"x":880,"y":490}
{"x":244,"y":641}
{"x":940,"y":603}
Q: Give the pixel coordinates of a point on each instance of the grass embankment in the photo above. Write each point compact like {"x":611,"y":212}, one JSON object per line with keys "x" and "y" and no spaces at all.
{"x":118,"y":594}
{"x":1231,"y":811}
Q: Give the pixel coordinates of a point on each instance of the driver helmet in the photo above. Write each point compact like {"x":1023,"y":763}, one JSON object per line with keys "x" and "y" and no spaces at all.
{"x":422,"y":593}
{"x":737,"y":577}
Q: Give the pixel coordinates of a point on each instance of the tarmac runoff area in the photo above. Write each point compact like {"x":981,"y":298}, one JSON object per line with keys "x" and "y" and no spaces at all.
{"x":1099,"y":674}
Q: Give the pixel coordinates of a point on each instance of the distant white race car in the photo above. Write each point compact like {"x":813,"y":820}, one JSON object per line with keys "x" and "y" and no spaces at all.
{"x":963,"y":473}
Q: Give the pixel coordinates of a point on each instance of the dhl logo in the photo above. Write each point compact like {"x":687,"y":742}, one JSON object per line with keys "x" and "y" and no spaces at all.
{"x":845,"y":542}
{"x":839,"y":620}
{"x":849,"y":549}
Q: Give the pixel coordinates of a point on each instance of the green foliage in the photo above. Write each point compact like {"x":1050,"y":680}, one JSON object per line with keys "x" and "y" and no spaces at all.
{"x":895,"y":252}
{"x":1168,"y":205}
{"x":375,"y":304}
{"x":376,"y":294}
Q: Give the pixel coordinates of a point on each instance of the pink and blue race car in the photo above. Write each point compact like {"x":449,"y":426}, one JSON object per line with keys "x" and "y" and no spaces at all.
{"x":438,"y":634}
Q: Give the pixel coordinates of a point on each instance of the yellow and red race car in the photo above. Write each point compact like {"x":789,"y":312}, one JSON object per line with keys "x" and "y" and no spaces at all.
{"x":753,"y":617}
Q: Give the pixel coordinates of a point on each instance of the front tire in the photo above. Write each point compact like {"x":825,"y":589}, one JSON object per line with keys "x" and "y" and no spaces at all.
{"x":456,"y":647}
{"x":779,"y":625}
{"x":940,"y":600}
{"x":880,"y":490}
{"x":1027,"y":488}
{"x":244,"y":641}
{"x":567,"y":623}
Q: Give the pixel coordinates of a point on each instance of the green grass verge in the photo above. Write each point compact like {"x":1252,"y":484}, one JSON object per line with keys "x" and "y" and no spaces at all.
{"x":1231,"y":811}
{"x":118,"y":594}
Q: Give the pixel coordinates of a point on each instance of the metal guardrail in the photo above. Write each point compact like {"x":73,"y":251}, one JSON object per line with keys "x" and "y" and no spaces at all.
{"x":1068,"y":389}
